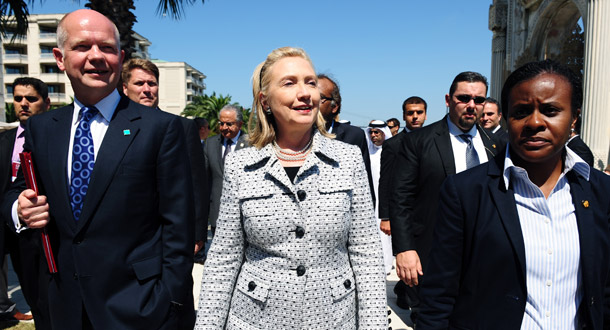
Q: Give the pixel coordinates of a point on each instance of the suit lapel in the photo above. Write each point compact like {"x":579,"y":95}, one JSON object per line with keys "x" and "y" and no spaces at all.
{"x":443,"y":144}
{"x":6,"y":156}
{"x":490,"y":147}
{"x":58,"y":135}
{"x":112,"y":150}
{"x":504,"y":200}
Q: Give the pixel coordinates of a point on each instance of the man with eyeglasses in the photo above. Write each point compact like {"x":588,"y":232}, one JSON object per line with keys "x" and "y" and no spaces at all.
{"x":330,"y":107}
{"x":425,"y":158}
{"x":30,"y":98}
{"x":393,"y":125}
{"x":231,"y":138}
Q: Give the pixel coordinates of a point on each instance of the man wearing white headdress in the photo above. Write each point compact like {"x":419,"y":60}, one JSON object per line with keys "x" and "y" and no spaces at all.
{"x":377,"y":132}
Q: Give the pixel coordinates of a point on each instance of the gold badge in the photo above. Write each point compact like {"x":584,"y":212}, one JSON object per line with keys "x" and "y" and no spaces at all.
{"x":585,"y":204}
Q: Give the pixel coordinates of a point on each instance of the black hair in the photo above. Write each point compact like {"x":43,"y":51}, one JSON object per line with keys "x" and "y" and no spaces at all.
{"x":40,"y":87}
{"x":468,"y":76}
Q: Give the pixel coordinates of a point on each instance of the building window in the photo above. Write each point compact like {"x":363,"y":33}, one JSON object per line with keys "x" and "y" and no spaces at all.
{"x":50,"y":69}
{"x":9,"y":89}
{"x":15,"y":70}
{"x":46,"y":49}
{"x":53,"y":89}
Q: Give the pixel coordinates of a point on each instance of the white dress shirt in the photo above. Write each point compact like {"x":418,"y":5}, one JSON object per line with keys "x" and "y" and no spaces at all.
{"x":459,"y":146}
{"x":552,"y":246}
{"x":233,"y":144}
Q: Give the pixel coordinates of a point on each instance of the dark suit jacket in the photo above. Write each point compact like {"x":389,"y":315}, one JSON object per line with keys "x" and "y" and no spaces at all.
{"x":476,"y":277}
{"x":215,"y":167}
{"x":128,"y":261}
{"x":501,"y":135}
{"x":581,"y":149}
{"x":354,"y":135}
{"x":426,"y":159}
{"x":386,"y":177}
{"x":199,"y":178}
{"x":25,"y":248}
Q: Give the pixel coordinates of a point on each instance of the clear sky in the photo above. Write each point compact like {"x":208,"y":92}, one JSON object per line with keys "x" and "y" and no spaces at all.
{"x":380,"y":52}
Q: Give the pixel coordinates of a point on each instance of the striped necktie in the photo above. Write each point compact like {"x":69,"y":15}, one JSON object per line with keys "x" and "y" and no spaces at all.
{"x":472,"y":158}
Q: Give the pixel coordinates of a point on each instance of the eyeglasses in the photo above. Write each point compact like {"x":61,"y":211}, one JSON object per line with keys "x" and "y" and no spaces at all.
{"x":324,"y":98}
{"x":30,"y":99}
{"x":228,"y":123}
{"x":466,"y":98}
{"x":391,"y":126}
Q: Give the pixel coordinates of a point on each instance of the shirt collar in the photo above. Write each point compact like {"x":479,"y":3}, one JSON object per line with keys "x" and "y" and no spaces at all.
{"x":106,"y":106}
{"x":572,"y":162}
{"x":233,"y":140}
{"x":456,"y":131}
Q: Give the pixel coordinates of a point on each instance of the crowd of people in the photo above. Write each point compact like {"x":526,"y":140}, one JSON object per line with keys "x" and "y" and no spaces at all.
{"x":493,"y":217}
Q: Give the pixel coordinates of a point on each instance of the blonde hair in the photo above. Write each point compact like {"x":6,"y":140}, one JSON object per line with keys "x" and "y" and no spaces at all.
{"x":262,"y":126}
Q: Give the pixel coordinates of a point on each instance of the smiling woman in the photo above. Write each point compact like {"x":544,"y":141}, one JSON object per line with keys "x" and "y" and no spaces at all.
{"x":296,"y":244}
{"x":523,"y":241}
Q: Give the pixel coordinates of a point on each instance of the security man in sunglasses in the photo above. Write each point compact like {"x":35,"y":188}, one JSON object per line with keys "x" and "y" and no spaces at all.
{"x":30,"y":98}
{"x":425,"y":158}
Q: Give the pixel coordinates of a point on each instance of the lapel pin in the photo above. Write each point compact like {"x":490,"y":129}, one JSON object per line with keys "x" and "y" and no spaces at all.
{"x":493,"y":146}
{"x":126,"y":132}
{"x":241,"y":145}
{"x":585,"y":203}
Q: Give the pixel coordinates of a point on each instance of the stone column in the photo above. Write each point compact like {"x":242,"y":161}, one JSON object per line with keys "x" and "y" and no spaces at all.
{"x":596,"y":103}
{"x":497,"y":24}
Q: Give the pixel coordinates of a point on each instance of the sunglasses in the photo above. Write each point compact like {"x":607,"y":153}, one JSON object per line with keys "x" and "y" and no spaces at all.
{"x":466,"y":98}
{"x":30,"y":99}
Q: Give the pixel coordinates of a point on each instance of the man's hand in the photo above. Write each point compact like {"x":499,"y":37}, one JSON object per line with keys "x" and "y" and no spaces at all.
{"x":198,"y":246}
{"x":408,"y":267}
{"x":33,"y":209}
{"x":385,"y":227}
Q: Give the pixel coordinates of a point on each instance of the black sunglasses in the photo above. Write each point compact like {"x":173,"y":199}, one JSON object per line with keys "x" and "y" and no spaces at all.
{"x":30,"y":99}
{"x":466,"y":98}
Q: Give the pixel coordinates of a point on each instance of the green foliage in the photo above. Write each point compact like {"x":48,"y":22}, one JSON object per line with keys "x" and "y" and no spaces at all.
{"x":208,"y":107}
{"x":9,"y":113}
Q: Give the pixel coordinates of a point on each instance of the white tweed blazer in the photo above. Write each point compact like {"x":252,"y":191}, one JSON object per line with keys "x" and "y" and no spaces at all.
{"x":302,"y":255}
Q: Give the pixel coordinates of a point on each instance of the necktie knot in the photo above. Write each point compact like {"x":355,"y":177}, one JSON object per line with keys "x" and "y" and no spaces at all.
{"x":87,"y":113}
{"x":466,"y":138}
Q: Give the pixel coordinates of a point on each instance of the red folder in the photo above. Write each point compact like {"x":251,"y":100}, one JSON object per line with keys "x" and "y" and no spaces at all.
{"x":27,"y":166}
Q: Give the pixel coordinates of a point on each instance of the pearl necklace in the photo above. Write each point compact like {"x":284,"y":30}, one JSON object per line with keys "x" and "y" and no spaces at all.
{"x":288,"y":155}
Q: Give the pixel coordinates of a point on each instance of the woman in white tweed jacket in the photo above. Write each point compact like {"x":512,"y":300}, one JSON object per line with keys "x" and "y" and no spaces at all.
{"x":296,"y":246}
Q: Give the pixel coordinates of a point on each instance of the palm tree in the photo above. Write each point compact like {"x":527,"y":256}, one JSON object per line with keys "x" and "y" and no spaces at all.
{"x":208,"y":107}
{"x":14,"y":18}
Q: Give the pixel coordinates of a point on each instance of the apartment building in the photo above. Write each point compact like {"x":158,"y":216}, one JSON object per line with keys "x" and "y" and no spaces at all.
{"x":33,"y":56}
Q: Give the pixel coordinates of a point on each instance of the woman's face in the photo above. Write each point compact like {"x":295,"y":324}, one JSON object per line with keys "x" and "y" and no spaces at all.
{"x":540,"y":118}
{"x":293,"y":94}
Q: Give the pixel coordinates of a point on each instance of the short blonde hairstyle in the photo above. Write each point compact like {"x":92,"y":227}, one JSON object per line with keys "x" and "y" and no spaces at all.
{"x":262,"y":126}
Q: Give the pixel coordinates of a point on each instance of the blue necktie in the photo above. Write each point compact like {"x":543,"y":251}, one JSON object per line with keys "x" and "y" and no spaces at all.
{"x":82,"y":160}
{"x":472,"y":158}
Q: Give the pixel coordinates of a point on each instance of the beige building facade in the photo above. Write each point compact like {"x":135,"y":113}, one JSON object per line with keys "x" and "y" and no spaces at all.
{"x":573,"y":32}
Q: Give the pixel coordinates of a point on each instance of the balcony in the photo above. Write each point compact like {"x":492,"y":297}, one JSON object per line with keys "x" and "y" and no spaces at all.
{"x":47,"y":35}
{"x":19,"y":41}
{"x":50,"y":78}
{"x":47,"y":58}
{"x":58,"y":98}
{"x":16,"y":58}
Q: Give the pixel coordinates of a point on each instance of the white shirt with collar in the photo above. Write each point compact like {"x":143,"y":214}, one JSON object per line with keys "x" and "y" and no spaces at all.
{"x":552,"y":246}
{"x":99,"y":126}
{"x":459,"y":146}
{"x":233,"y":144}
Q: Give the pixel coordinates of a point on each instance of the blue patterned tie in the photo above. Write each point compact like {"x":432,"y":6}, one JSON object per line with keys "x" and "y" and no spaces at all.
{"x":472,"y":158}
{"x":82,"y":160}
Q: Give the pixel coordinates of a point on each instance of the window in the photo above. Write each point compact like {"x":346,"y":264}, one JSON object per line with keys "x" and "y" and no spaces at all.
{"x":15,"y":69}
{"x":53,"y":89}
{"x":9,"y":89}
{"x":50,"y":69}
{"x":46,"y":49}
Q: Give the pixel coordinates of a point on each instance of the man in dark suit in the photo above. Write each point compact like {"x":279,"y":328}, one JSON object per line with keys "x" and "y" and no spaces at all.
{"x":141,"y":84}
{"x":231,"y":138}
{"x":427,"y":156}
{"x":115,"y":193}
{"x":330,"y":107}
{"x":491,"y":119}
{"x":30,"y":98}
{"x":204,"y":130}
{"x":414,"y":113}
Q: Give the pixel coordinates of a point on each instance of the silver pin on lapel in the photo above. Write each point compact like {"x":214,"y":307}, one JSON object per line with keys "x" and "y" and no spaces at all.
{"x":126,"y":132}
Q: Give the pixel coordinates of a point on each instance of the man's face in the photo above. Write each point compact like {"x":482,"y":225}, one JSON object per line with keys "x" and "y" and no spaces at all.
{"x":228,"y":124}
{"x":27,"y":102}
{"x":466,"y":104}
{"x":91,"y":56}
{"x":142,"y":88}
{"x":377,"y":136}
{"x":393,"y":127}
{"x":326,"y":109}
{"x":414,"y":115}
{"x":490,"y":118}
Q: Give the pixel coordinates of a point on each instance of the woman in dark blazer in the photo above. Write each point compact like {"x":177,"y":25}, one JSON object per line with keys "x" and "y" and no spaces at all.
{"x":523,"y":241}
{"x":296,"y":244}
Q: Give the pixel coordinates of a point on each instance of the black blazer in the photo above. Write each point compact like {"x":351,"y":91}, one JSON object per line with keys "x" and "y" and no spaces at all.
{"x":356,"y":136}
{"x":476,"y":276}
{"x":386,"y":177}
{"x":128,"y":261}
{"x":426,"y":159}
